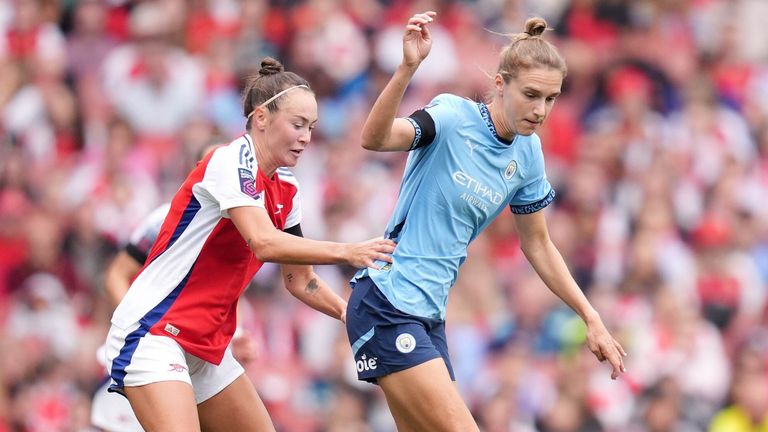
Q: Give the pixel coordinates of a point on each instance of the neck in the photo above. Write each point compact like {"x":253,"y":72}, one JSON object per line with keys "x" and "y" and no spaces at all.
{"x":503,"y":129}
{"x":266,"y":162}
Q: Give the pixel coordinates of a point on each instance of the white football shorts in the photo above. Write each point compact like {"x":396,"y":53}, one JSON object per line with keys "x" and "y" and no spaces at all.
{"x":146,"y":358}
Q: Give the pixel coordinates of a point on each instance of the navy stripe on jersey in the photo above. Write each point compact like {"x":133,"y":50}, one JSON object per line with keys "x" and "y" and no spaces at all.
{"x":189,"y":213}
{"x":132,"y":340}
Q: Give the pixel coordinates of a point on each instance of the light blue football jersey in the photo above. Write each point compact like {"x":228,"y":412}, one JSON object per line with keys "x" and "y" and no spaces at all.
{"x":452,"y":189}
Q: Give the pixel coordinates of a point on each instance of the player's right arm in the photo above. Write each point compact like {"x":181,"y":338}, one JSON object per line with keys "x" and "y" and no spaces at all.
{"x":382,"y":131}
{"x":269,"y":244}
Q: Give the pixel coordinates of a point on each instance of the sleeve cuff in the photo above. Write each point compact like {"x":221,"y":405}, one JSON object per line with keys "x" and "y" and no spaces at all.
{"x":534,"y":207}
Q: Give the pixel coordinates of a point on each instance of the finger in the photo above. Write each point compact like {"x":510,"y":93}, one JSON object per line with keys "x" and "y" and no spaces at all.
{"x":384,"y":257}
{"x":371,"y":264}
{"x":385,"y":249}
{"x":430,"y":15}
{"x":620,"y":348}
{"x":413,"y":27}
{"x":617,"y":365}
{"x":420,"y":19}
{"x":426,"y":17}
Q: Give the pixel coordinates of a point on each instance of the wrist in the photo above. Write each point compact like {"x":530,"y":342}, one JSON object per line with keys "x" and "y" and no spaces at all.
{"x":591,"y":317}
{"x":341,"y":253}
{"x":408,"y":68}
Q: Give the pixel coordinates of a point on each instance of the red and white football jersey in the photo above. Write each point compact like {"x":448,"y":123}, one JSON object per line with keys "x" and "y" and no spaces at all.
{"x":200,"y":264}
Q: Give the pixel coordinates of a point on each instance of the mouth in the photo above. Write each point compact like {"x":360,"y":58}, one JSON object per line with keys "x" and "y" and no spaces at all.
{"x":297,"y":152}
{"x":532,"y":123}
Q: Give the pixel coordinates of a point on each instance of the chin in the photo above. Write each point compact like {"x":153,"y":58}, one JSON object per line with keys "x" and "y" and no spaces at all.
{"x":526,"y":132}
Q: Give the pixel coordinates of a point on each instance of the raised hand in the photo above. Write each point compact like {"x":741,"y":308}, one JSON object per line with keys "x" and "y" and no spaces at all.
{"x":364,"y":254}
{"x":605,"y":347}
{"x":416,"y":40}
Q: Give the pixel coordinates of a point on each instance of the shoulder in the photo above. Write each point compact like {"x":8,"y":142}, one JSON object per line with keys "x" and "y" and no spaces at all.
{"x":239,"y":152}
{"x":448,"y":109}
{"x":450,"y":99}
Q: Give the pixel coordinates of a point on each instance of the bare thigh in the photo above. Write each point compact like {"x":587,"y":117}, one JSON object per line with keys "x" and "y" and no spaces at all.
{"x":423,"y":398}
{"x":166,"y":406}
{"x":236,"y":408}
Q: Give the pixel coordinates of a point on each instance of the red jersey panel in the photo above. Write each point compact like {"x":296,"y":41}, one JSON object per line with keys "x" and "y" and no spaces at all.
{"x":200,"y":264}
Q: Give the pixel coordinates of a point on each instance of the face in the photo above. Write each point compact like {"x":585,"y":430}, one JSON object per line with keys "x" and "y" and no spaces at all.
{"x":289,"y":129}
{"x":528,"y":98}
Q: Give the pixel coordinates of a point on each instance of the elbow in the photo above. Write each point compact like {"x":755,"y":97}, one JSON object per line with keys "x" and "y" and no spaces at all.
{"x":264,"y":249}
{"x":370,"y":144}
{"x":373,"y":140}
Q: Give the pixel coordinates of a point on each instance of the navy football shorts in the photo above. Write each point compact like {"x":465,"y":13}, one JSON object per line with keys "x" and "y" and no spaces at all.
{"x":385,"y":340}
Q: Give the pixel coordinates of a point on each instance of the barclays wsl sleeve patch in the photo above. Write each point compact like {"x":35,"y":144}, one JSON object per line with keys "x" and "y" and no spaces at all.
{"x":248,"y":183}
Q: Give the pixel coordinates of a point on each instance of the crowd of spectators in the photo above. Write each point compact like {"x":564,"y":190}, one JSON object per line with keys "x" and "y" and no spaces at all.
{"x":657,"y":148}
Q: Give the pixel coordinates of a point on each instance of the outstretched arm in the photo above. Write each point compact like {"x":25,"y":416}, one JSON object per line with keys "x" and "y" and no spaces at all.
{"x":548,"y":263}
{"x":305,"y":285}
{"x":269,"y":244}
{"x":382,"y":131}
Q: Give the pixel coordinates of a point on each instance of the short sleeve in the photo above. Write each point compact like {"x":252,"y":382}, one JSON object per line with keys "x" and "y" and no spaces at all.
{"x":230,"y":178}
{"x":532,"y":198}
{"x":536,"y":193}
{"x":444,"y":111}
{"x":294,"y":217}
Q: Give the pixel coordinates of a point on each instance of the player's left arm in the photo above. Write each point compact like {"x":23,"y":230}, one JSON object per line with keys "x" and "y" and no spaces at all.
{"x":118,"y":276}
{"x":306,"y":285}
{"x":550,"y":266}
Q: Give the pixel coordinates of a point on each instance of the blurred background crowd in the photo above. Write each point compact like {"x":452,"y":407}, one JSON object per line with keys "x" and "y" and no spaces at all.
{"x":658,"y":150}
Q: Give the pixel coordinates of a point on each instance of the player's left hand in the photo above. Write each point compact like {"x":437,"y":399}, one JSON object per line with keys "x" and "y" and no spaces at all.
{"x":417,"y":41}
{"x":605,"y":347}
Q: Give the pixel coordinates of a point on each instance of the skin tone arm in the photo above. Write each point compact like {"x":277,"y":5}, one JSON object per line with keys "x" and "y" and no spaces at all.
{"x":269,"y":244}
{"x":548,"y":263}
{"x":118,"y":277}
{"x":305,"y":285}
{"x":382,"y":131}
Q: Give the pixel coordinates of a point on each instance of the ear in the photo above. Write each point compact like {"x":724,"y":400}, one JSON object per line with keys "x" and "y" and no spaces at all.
{"x":498,"y":82}
{"x":260,"y":118}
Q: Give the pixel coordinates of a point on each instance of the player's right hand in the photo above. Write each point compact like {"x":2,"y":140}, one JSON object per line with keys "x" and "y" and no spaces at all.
{"x":417,"y":41}
{"x":364,"y":254}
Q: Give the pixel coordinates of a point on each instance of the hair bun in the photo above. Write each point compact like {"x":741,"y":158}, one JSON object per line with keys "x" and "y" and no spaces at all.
{"x":535,"y":26}
{"x":270,"y":66}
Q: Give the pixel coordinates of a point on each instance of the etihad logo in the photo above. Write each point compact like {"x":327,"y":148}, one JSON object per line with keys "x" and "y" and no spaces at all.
{"x":479,"y":189}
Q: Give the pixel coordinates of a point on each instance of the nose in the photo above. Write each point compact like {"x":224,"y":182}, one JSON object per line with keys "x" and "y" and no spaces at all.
{"x":305,"y":137}
{"x":540,"y":108}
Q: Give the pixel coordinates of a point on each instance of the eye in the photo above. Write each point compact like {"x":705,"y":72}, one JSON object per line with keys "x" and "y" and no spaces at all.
{"x":551,"y":99}
{"x":530,"y":95}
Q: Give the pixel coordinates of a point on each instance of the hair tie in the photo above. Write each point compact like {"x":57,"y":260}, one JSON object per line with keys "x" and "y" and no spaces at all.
{"x":266,"y":102}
